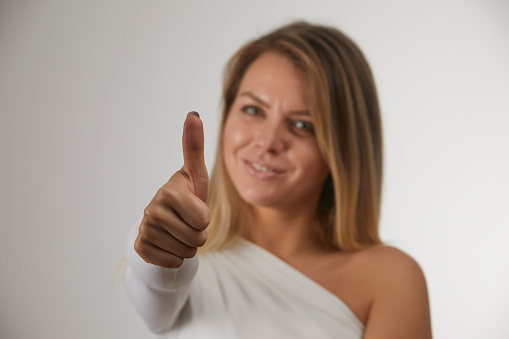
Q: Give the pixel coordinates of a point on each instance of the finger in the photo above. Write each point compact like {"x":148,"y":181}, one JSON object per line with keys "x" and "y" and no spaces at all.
{"x":162,"y":239}
{"x":194,"y":161}
{"x":174,"y":225}
{"x":188,"y":235}
{"x":188,"y":206}
{"x":157,"y":256}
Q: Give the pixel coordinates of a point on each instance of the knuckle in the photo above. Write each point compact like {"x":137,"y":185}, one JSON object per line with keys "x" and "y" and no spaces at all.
{"x":167,"y":196}
{"x":144,"y":231}
{"x":141,"y":249}
{"x":147,"y":233}
{"x":149,"y":214}
{"x":203,"y":219}
{"x":201,"y":238}
{"x":153,"y":216}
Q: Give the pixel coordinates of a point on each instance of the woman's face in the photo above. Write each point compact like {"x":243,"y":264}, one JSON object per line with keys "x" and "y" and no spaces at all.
{"x":269,"y":146}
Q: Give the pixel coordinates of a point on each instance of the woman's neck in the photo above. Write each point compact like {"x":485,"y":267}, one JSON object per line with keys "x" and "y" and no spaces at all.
{"x":285,"y":233}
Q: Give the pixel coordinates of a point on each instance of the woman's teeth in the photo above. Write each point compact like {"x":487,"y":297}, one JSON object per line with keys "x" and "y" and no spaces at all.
{"x":260,"y":168}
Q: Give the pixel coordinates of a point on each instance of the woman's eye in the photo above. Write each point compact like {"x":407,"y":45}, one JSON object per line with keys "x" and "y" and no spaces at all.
{"x":251,"y":110}
{"x":304,"y":126}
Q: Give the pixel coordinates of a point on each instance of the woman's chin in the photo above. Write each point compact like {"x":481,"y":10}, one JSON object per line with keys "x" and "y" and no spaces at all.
{"x":262,"y":200}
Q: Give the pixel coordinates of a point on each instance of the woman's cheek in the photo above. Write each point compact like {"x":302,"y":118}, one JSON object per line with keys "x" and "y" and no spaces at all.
{"x":236,"y":134}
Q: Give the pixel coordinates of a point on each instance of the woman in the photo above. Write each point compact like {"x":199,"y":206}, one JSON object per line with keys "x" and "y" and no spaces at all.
{"x":289,"y":235}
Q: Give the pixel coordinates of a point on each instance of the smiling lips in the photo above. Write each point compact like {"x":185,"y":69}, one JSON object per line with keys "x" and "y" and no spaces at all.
{"x":262,"y":171}
{"x":261,"y":168}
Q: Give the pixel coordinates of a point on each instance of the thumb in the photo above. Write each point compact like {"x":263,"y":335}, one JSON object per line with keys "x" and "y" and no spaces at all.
{"x":194,"y":160}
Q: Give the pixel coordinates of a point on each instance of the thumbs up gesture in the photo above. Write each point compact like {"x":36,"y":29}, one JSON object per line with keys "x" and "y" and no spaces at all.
{"x":175,"y":221}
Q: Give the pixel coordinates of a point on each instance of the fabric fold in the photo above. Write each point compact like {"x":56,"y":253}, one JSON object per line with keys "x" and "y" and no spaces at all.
{"x":247,"y":292}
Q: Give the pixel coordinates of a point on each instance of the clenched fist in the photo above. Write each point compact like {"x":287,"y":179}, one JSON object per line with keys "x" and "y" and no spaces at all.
{"x":175,"y":221}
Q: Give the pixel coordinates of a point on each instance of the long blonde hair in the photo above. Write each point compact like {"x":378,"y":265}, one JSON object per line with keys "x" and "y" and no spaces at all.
{"x":344,"y":105}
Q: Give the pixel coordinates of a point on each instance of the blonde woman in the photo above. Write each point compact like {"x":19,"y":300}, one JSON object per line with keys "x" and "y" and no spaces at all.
{"x":288,"y":227}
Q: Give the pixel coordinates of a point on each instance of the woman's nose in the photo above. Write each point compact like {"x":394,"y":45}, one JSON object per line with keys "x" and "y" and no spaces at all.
{"x":272,"y":138}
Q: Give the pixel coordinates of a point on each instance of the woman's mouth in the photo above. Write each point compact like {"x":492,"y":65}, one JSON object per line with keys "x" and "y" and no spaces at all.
{"x":262,"y":170}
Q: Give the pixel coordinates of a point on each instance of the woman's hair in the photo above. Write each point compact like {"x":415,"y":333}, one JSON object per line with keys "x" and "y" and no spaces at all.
{"x":344,"y":105}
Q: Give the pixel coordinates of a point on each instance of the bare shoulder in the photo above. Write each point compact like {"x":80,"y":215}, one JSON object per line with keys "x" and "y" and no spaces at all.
{"x":388,"y":263}
{"x":399,"y":305}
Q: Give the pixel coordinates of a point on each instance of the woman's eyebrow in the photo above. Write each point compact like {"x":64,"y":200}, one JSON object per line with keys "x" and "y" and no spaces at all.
{"x":255,"y":98}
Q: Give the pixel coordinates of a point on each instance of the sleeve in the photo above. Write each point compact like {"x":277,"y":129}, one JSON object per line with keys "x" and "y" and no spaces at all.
{"x":157,"y":293}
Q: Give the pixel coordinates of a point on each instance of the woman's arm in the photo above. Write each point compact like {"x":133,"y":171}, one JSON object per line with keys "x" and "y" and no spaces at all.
{"x":400,"y":305}
{"x":157,"y":293}
{"x":160,"y":254}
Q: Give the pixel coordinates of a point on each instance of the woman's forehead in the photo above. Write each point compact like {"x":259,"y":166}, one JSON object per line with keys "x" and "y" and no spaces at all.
{"x":274,"y":80}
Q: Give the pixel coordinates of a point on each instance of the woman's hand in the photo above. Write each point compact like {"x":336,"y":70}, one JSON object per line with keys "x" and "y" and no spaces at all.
{"x":175,"y":221}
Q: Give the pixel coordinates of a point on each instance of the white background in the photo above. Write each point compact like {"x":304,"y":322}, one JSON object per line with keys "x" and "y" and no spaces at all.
{"x":93,"y":95}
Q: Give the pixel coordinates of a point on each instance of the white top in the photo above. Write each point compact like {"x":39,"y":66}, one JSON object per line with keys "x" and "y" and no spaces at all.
{"x":241,"y":292}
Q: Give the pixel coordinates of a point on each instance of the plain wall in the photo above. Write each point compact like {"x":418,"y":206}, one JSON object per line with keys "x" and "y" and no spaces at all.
{"x":93,"y":95}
